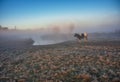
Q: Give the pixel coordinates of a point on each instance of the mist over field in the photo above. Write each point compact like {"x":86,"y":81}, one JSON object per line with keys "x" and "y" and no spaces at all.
{"x":54,"y":35}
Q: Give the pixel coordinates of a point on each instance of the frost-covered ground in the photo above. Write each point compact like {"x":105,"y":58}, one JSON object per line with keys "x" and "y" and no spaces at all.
{"x":92,"y":61}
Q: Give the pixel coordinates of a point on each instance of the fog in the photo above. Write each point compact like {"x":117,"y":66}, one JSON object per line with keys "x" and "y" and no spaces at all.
{"x":39,"y":36}
{"x":53,"y":35}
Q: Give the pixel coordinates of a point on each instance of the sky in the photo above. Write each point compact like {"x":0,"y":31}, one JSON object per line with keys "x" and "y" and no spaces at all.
{"x":25,"y":14}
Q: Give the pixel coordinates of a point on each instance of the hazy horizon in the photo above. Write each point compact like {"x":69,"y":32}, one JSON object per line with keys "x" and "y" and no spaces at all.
{"x":86,"y":15}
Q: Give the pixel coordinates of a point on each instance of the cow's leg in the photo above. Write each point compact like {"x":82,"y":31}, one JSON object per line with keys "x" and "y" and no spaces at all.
{"x":85,"y":39}
{"x":78,"y":40}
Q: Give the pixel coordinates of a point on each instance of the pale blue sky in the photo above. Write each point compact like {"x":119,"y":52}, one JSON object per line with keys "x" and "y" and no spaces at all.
{"x":37,"y":13}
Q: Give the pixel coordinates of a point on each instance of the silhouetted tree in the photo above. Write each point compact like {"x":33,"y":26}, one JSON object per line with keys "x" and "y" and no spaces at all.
{"x":0,"y":26}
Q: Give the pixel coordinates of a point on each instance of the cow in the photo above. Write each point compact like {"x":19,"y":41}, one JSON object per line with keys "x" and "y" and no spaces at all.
{"x":81,"y":36}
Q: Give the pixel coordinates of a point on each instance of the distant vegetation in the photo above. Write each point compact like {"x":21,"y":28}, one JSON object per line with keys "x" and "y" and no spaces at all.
{"x":3,"y":28}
